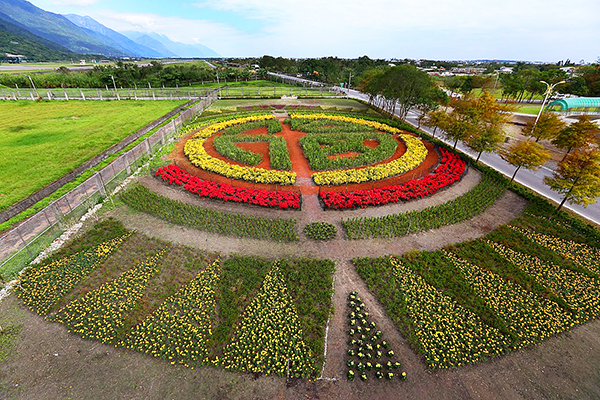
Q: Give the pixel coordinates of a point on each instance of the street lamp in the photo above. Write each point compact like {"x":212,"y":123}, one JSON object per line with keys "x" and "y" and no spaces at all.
{"x":548,"y":91}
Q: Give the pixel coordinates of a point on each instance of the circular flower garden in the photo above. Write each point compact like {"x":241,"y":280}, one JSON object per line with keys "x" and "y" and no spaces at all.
{"x":349,"y":162}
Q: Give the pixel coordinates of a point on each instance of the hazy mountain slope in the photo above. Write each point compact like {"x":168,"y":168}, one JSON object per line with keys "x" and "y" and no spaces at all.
{"x":111,"y":37}
{"x":53,"y":27}
{"x":151,"y":43}
{"x":161,"y":43}
{"x":17,"y":40}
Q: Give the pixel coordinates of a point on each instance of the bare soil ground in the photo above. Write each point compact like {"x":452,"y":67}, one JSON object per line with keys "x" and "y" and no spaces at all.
{"x":48,"y":362}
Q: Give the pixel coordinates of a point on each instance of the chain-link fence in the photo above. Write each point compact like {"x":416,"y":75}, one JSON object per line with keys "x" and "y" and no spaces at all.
{"x":20,"y":245}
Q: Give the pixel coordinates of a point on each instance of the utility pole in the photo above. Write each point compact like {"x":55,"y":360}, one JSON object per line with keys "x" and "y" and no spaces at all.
{"x":218,"y":84}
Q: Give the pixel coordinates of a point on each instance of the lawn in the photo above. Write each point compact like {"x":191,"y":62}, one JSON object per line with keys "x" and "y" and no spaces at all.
{"x":498,"y":94}
{"x":532,"y":109}
{"x":40,"y":142}
{"x":226,"y":103}
{"x":255,"y":83}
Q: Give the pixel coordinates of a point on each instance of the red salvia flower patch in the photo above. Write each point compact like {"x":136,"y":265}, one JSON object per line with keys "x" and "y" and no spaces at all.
{"x":174,"y":175}
{"x":449,"y":171}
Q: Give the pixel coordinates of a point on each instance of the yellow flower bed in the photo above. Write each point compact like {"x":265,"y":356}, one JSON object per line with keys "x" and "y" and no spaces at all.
{"x":449,"y":335}
{"x":581,"y":254}
{"x":194,"y":150}
{"x":416,"y":152}
{"x":41,"y":287}
{"x":532,"y":318}
{"x":178,"y":330}
{"x":269,"y":338}
{"x":579,"y":291}
{"x":100,"y":313}
{"x":340,"y":118}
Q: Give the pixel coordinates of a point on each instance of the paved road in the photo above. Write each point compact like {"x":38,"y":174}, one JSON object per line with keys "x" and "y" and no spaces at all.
{"x":531,"y":179}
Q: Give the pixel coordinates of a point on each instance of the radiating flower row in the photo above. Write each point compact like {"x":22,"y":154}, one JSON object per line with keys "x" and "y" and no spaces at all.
{"x":100,"y":313}
{"x":178,"y":330}
{"x":581,"y":292}
{"x":222,"y":191}
{"x":581,"y":254}
{"x":447,"y":173}
{"x":367,"y":350}
{"x":41,"y":287}
{"x":269,"y":338}
{"x":195,"y":151}
{"x":530,"y":317}
{"x":448,"y":334}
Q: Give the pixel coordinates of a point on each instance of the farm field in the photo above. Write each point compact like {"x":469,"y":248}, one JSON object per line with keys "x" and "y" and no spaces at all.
{"x":312,"y":255}
{"x":41,"y":142}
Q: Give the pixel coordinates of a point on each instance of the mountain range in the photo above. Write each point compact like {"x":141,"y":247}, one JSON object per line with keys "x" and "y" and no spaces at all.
{"x":41,"y":35}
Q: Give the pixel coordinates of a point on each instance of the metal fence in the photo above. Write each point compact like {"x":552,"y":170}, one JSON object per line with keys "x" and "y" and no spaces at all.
{"x":20,"y":245}
{"x":104,"y":94}
{"x":164,"y":93}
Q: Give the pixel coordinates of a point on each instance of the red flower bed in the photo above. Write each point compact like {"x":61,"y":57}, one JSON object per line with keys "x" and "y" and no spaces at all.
{"x":448,"y":172}
{"x":222,"y":191}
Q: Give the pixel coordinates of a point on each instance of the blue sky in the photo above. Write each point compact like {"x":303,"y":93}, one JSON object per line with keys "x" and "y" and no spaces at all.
{"x":534,"y":30}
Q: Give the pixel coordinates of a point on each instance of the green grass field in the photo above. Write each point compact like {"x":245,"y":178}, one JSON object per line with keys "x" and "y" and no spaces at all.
{"x":249,"y":84}
{"x":533,"y":109}
{"x":498,"y":94}
{"x":227,"y":103}
{"x":40,"y":142}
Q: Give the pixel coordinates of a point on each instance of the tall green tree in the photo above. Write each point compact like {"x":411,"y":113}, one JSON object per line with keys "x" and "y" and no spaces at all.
{"x":404,"y":87}
{"x":488,"y":118}
{"x":437,"y":119}
{"x":581,"y":133}
{"x":547,"y":128}
{"x":577,"y":177}
{"x":528,"y":154}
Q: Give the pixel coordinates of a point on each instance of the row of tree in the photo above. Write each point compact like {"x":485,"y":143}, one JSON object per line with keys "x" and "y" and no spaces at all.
{"x":523,"y":84}
{"x":479,"y":123}
{"x":130,"y":75}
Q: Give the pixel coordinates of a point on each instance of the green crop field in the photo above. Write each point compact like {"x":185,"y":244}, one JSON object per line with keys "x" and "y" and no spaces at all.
{"x":40,"y":142}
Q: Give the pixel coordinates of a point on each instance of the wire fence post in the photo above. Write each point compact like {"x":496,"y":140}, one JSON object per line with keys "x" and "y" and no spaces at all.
{"x":127,"y":164}
{"x":24,"y":243}
{"x":100,"y":184}
{"x":147,"y":145}
{"x":59,"y":215}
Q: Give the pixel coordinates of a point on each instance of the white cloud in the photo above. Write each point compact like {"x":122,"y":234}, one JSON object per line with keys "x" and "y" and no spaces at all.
{"x":531,"y":29}
{"x":516,"y":29}
{"x":220,"y":37}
